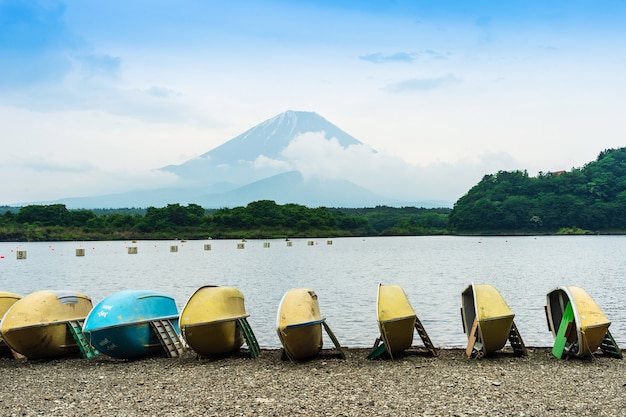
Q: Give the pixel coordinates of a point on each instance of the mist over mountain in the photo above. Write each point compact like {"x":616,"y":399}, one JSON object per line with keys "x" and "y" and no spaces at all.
{"x":295,"y":157}
{"x":258,"y":152}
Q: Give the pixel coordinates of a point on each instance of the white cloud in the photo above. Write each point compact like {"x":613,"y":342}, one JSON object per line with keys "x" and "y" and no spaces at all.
{"x":162,"y":92}
{"x":423,"y":84}
{"x":404,"y":57}
{"x":264,"y":162}
{"x":317,"y":157}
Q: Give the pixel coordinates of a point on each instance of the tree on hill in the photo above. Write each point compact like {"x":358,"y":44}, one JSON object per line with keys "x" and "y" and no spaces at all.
{"x":591,"y":198}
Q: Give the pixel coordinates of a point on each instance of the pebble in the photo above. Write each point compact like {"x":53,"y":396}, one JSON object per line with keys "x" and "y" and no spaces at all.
{"x":415,"y":384}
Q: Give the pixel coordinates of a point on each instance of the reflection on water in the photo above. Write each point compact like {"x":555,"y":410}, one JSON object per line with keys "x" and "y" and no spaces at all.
{"x":432,"y":270}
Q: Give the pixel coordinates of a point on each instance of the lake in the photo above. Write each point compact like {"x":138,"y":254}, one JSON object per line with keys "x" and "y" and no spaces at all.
{"x":345,"y":273}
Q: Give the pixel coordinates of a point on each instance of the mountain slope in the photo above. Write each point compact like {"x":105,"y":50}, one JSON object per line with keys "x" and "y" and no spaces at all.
{"x":272,"y":136}
{"x":256,"y":166}
{"x":236,"y":160}
{"x":292,"y":187}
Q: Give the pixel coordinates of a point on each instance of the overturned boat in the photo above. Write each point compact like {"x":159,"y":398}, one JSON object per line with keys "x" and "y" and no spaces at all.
{"x":7,"y":299}
{"x":397,"y":322}
{"x":214,"y":322}
{"x":578,"y":324}
{"x":40,"y":325}
{"x":299,"y":325}
{"x":132,"y":324}
{"x":488,"y":321}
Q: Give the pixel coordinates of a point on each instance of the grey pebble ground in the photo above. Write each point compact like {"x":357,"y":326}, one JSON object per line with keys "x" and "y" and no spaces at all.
{"x":414,"y":384}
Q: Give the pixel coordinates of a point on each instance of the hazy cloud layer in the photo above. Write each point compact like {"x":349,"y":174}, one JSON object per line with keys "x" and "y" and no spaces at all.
{"x":406,"y":57}
{"x":317,"y":157}
{"x":422,"y":84}
{"x":48,"y":183}
{"x":263,"y":162}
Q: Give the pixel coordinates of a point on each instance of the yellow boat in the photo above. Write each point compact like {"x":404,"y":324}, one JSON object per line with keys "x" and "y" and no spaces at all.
{"x":299,"y":323}
{"x":577,"y":323}
{"x":396,"y":318}
{"x":397,"y":321}
{"x":7,"y":299}
{"x":37,"y":325}
{"x":213,"y":322}
{"x":487,"y":321}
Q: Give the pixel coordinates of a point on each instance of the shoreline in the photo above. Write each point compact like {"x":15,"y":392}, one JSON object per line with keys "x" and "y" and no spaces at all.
{"x":413,"y":384}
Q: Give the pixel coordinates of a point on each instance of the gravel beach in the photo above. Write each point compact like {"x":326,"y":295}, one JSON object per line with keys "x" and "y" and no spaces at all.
{"x":414,"y":384}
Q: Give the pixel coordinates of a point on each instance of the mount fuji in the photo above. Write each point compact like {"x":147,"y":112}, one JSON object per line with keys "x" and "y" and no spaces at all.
{"x":295,"y":157}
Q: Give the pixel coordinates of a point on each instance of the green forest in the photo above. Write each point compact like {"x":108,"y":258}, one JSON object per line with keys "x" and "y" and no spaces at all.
{"x":259,"y":219}
{"x":587,"y":200}
{"x":591,"y":199}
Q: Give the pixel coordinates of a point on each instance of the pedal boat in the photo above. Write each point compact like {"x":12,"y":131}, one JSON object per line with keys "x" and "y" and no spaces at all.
{"x":299,"y":324}
{"x":7,"y":299}
{"x":37,"y":325}
{"x":120,"y":325}
{"x":576,"y":322}
{"x":396,"y":318}
{"x":487,"y":319}
{"x":209,"y":320}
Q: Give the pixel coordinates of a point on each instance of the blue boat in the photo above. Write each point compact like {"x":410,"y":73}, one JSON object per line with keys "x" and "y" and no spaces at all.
{"x":132,"y":324}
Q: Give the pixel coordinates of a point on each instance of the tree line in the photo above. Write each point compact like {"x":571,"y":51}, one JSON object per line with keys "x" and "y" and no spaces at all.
{"x":259,"y":219}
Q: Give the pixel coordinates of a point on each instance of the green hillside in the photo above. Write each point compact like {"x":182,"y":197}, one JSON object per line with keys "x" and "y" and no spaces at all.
{"x":591,"y":199}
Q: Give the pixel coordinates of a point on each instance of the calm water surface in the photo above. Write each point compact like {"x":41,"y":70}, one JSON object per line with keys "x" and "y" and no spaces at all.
{"x":345,"y":274}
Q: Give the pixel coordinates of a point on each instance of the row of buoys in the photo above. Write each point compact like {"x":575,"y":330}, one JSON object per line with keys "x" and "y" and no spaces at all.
{"x":135,"y":323}
{"x":133,"y":250}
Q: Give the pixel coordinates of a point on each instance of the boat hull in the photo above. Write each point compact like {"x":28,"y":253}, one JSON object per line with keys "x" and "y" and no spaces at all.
{"x":591,"y":324}
{"x":7,"y":299}
{"x":42,"y":342}
{"x":208,"y":322}
{"x":213,"y":339}
{"x":36,"y":326}
{"x":119,"y":325}
{"x":299,"y":323}
{"x":484,"y":304}
{"x":129,"y":341}
{"x":396,"y":318}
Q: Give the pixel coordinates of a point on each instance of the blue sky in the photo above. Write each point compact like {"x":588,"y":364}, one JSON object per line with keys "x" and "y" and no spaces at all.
{"x":95,"y":95}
